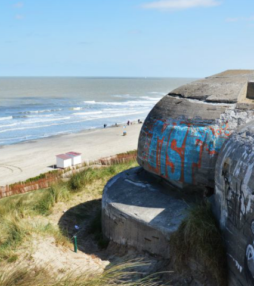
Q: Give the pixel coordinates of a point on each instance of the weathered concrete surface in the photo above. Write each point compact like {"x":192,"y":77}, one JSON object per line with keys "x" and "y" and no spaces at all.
{"x":139,"y":211}
{"x":183,"y":134}
{"x":225,"y":87}
{"x":234,"y":203}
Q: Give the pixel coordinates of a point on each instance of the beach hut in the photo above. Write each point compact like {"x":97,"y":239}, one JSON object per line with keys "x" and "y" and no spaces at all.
{"x":63,"y":161}
{"x":75,"y":158}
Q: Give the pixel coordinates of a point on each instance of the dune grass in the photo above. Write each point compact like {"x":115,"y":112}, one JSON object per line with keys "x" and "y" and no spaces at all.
{"x":79,"y":180}
{"x":42,"y":201}
{"x":122,"y":274}
{"x":199,"y":237}
{"x":25,"y":216}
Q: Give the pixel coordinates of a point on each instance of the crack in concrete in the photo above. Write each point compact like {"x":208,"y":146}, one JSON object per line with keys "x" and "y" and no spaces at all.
{"x":202,"y":100}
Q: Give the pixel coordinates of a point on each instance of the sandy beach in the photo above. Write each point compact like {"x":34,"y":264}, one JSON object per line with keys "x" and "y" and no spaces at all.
{"x":22,"y":161}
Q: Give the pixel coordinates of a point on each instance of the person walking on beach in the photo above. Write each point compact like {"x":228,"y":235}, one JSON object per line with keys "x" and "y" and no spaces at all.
{"x":105,"y":125}
{"x":124,"y":131}
{"x":128,"y":123}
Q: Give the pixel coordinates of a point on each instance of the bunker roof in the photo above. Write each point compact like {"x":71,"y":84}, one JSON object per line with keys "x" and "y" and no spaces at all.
{"x":230,"y":86}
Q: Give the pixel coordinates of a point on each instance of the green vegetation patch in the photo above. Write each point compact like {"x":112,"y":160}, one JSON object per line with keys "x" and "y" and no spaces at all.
{"x":25,"y":217}
{"x":21,"y":215}
{"x":199,"y":237}
{"x":80,"y":180}
{"x":132,"y":152}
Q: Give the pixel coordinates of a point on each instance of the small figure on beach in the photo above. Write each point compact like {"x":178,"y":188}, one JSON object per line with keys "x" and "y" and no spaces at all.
{"x":139,"y":121}
{"x":128,"y":123}
{"x":124,"y":131}
{"x":105,"y":125}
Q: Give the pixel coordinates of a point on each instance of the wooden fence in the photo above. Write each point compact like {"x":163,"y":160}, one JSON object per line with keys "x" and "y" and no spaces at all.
{"x":51,"y":178}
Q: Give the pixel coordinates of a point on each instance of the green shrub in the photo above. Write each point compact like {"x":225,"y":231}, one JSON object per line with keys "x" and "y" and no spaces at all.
{"x":76,"y":182}
{"x":51,"y":196}
{"x":79,"y":180}
{"x":13,"y":231}
{"x":45,"y":203}
{"x":199,"y":236}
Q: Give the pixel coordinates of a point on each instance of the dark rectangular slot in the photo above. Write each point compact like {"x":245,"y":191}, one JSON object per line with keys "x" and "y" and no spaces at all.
{"x":250,"y":90}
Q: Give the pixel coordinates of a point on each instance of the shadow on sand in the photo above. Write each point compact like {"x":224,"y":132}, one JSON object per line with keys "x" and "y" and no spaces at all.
{"x":84,"y":222}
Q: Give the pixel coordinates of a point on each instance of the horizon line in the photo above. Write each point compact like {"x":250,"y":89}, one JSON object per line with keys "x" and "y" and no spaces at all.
{"x":74,"y":76}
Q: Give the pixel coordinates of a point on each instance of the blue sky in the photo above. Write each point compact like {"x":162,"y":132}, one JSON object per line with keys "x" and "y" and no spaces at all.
{"x":171,"y":38}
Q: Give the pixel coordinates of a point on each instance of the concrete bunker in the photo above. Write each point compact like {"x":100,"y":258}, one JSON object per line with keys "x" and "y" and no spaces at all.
{"x":183,"y":134}
{"x":191,"y":138}
{"x":250,"y":90}
{"x":234,"y":203}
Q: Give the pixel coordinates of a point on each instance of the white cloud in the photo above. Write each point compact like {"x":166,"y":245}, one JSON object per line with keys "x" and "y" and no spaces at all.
{"x":232,"y":20}
{"x":240,"y":19}
{"x":179,"y":4}
{"x":19,"y":17}
{"x":18,"y":5}
{"x":250,"y":19}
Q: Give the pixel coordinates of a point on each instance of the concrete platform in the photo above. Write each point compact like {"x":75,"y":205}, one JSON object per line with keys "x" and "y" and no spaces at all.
{"x":139,"y":211}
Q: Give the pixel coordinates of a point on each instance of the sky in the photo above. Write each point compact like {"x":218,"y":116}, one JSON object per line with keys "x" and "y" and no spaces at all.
{"x":132,"y":38}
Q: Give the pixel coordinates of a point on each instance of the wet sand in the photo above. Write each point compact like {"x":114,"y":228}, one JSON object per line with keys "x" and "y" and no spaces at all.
{"x":22,"y":161}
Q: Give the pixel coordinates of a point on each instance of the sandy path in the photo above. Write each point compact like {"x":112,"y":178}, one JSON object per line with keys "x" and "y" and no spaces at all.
{"x":23,"y":161}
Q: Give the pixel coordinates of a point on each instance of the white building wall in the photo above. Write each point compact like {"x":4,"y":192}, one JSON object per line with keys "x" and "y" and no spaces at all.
{"x":61,"y":163}
{"x":67,"y":163}
{"x":76,"y":160}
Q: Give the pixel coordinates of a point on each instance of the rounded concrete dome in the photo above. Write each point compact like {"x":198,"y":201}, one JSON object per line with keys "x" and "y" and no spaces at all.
{"x":183,"y":134}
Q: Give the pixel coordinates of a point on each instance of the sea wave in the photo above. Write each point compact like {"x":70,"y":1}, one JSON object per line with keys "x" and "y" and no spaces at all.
{"x":126,"y":103}
{"x":34,"y":124}
{"x":5,"y":118}
{"x":119,"y":114}
{"x":32,"y":116}
{"x":124,"y":96}
{"x":151,"y":98}
{"x":75,"y":108}
{"x":34,"y":127}
{"x":42,"y":120}
{"x":30,"y":123}
{"x":158,"y":92}
{"x":95,"y":117}
{"x":90,"y":101}
{"x":40,"y":111}
{"x":88,"y":113}
{"x":20,"y":116}
{"x":9,"y":125}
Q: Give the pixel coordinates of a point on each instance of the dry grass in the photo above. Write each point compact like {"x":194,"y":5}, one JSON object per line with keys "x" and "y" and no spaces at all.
{"x":199,"y":237}
{"x":25,"y":217}
{"x":122,"y":274}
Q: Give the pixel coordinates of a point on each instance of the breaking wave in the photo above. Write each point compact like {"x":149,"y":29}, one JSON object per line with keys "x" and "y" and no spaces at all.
{"x":71,"y":116}
{"x":5,"y":118}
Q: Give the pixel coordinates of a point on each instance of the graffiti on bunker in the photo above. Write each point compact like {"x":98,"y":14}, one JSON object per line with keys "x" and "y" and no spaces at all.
{"x":174,"y":149}
{"x":234,"y":191}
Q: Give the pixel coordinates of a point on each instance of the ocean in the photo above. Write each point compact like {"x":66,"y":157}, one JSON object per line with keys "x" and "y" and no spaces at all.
{"x":33,"y":108}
